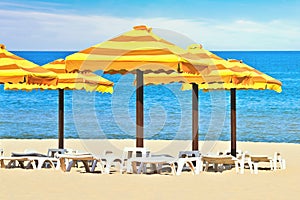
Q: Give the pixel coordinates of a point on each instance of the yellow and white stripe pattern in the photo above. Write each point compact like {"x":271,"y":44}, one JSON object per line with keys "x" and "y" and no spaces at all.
{"x":218,"y":74}
{"x":14,"y":69}
{"x":139,"y":49}
{"x":68,"y":81}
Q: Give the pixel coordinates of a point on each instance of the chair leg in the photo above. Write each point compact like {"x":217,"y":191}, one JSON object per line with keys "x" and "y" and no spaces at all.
{"x":57,"y":164}
{"x":206,"y":166}
{"x":283,"y":164}
{"x":180,"y":165}
{"x":215,"y":167}
{"x":107,"y":168}
{"x":191,"y":166}
{"x":272,"y":166}
{"x":42,"y":161}
{"x":172,"y":165}
{"x":142,"y":168}
{"x":242,"y":165}
{"x":255,"y":166}
{"x":94,"y":165}
{"x":128,"y":167}
{"x":158,"y":168}
{"x":70,"y":165}
{"x":199,"y":166}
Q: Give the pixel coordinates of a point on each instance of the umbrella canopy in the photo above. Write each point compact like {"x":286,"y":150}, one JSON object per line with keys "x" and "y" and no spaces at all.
{"x":69,"y":81}
{"x":14,"y":69}
{"x":220,"y":74}
{"x":137,"y":51}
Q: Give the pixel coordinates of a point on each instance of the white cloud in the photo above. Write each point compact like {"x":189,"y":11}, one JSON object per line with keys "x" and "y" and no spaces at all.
{"x":28,"y":30}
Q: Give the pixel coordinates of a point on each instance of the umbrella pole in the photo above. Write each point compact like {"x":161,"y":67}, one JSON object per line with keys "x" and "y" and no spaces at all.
{"x":233,"y":121}
{"x":195,"y":115}
{"x":61,"y":119}
{"x":139,"y":108}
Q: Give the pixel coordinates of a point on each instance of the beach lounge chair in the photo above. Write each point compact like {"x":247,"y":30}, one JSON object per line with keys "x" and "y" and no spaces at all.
{"x":159,"y":162}
{"x":139,"y":164}
{"x":254,"y":160}
{"x":39,"y":159}
{"x":85,"y":158}
{"x":219,"y":162}
{"x":21,"y":162}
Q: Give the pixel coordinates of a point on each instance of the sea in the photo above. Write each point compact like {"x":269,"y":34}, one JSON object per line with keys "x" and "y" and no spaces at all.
{"x":262,"y":115}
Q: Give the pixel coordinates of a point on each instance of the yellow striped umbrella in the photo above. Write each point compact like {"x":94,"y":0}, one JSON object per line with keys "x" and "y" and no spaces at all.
{"x":137,"y":51}
{"x":220,"y":74}
{"x":67,"y":81}
{"x":14,"y":69}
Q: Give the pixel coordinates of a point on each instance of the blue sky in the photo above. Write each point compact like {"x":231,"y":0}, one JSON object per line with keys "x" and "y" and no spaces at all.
{"x":217,"y":25}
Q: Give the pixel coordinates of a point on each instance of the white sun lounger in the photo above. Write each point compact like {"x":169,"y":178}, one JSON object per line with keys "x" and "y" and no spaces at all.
{"x":20,"y":160}
{"x":254,"y":160}
{"x":40,"y":159}
{"x":159,"y":161}
{"x":72,"y":158}
{"x":217,"y":160}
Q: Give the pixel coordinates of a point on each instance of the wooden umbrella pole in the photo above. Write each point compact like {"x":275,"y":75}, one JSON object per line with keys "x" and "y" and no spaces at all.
{"x":195,"y":115}
{"x":233,"y":121}
{"x":139,"y":108}
{"x":61,"y":119}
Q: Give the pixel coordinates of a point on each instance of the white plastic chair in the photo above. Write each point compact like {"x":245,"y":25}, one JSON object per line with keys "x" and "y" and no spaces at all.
{"x":108,"y":159}
{"x":278,"y":159}
{"x":188,"y":154}
{"x":130,"y":152}
{"x":242,"y":159}
{"x":187,"y":161}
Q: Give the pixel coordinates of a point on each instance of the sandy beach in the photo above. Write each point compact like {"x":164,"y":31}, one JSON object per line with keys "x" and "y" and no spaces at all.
{"x":54,"y":184}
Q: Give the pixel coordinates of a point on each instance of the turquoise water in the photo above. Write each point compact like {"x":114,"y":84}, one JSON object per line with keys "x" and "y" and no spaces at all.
{"x":261,"y":115}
